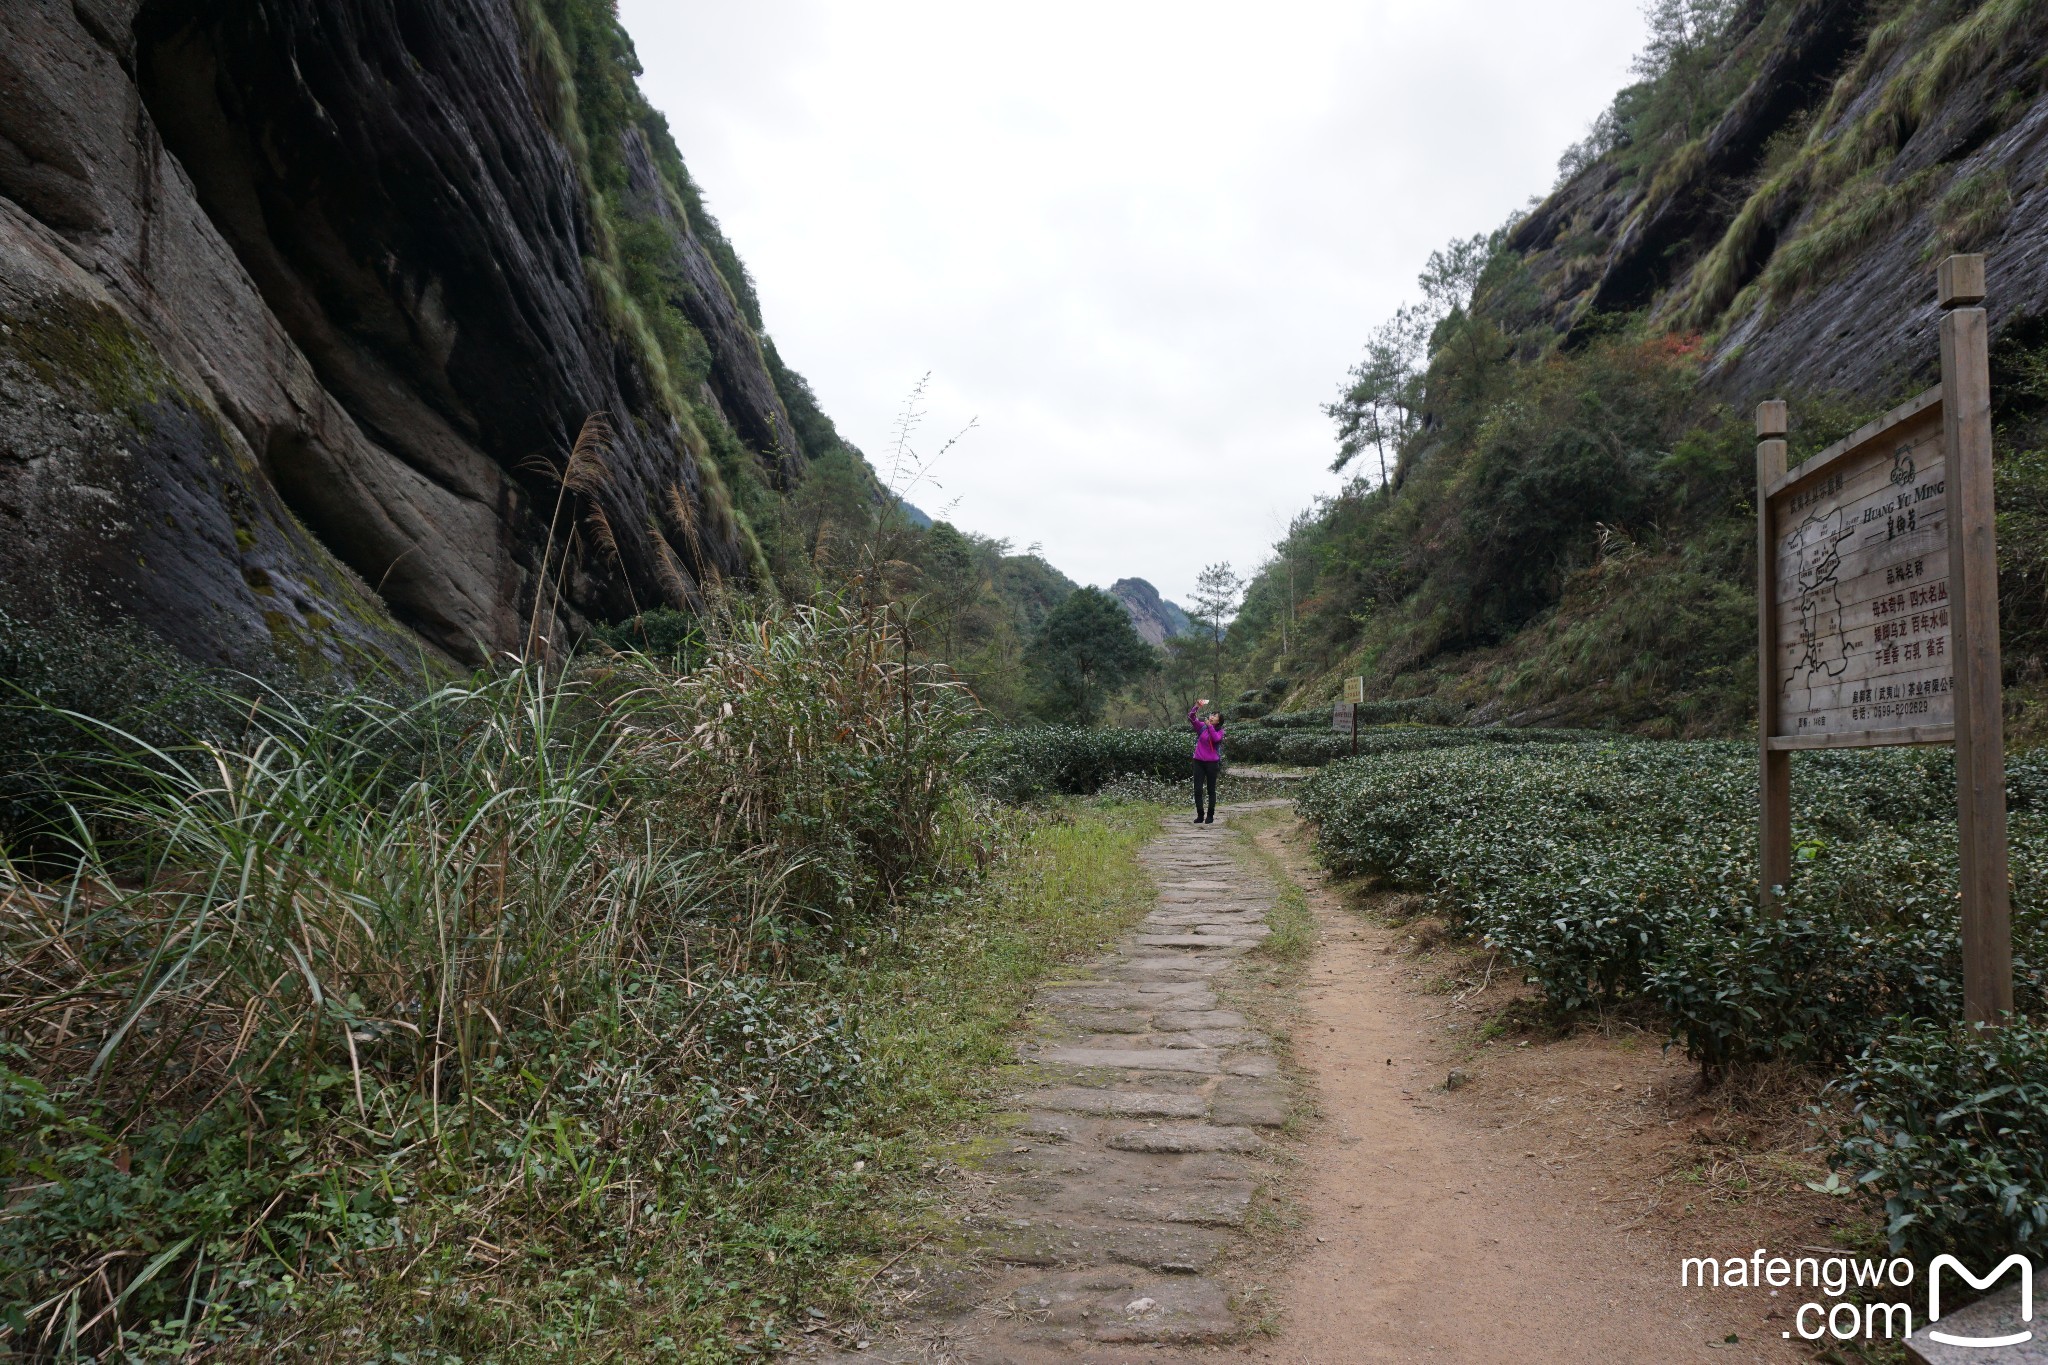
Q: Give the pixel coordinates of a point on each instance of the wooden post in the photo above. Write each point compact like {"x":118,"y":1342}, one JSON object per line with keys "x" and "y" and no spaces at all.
{"x":1354,"y":729}
{"x":1973,"y":613}
{"x":1774,"y":766}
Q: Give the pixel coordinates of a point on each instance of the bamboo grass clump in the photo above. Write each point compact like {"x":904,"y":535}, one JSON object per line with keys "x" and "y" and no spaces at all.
{"x":271,"y":998}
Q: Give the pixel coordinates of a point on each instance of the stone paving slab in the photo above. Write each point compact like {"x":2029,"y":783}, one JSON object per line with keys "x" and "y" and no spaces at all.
{"x":1186,"y":1137}
{"x":1107,"y":1306}
{"x":1254,"y":1103}
{"x":1134,"y":1059}
{"x":1204,"y":941}
{"x":1165,"y":1248}
{"x":1223,"y":1206}
{"x":1130,"y":1104}
{"x":1104,"y":1021}
{"x":1119,"y":1185}
{"x":1191,"y":1019}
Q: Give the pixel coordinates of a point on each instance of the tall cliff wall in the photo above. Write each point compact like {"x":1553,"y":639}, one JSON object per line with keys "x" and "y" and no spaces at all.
{"x":303,"y":303}
{"x":1859,"y":141}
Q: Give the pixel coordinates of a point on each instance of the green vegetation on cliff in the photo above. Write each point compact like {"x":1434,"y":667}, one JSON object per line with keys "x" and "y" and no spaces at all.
{"x":1550,"y":519}
{"x":815,"y":513}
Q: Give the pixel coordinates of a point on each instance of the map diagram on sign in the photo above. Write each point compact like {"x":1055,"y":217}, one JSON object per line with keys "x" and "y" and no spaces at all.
{"x":1821,"y":647}
{"x":1856,"y":587}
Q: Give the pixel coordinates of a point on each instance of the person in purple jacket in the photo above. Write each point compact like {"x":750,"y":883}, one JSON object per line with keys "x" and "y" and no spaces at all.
{"x":1208,"y":758}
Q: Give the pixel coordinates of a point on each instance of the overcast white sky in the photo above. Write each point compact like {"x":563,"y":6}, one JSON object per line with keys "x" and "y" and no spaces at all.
{"x":1140,"y":242}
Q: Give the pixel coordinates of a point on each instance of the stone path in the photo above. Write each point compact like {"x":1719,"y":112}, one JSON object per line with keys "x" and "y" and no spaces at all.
{"x":1144,"y":1099}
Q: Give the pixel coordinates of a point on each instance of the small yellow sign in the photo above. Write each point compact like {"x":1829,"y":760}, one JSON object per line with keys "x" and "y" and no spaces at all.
{"x":1354,"y":691}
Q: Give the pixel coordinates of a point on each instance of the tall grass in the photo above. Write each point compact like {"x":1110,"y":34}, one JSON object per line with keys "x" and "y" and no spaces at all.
{"x":504,"y":950}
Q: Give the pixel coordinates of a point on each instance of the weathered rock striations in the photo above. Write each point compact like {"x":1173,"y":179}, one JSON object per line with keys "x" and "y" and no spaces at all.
{"x":1799,"y":232}
{"x":302,"y":304}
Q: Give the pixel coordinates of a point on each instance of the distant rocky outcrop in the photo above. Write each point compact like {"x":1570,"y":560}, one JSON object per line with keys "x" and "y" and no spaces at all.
{"x":302,"y":304}
{"x":1156,"y":619}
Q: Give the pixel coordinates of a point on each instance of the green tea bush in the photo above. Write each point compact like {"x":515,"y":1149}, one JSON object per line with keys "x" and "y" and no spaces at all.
{"x":1292,"y":748}
{"x":1617,"y":870}
{"x":1407,"y":711}
{"x":1027,"y":762}
{"x":1952,"y":1124}
{"x":1296,"y":720}
{"x":1031,"y":761}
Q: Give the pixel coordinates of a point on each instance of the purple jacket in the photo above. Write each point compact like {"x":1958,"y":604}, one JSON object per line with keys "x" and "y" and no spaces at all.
{"x":1207,"y":737}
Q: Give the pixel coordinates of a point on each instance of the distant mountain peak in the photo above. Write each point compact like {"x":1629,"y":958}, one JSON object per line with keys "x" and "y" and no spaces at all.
{"x":1155,"y":619}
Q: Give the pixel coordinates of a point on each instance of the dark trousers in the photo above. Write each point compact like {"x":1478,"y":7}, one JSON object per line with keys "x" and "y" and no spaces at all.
{"x":1205,"y":781}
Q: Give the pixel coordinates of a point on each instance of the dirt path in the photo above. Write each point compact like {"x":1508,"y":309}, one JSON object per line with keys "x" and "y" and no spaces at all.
{"x":1142,"y":1203}
{"x":1481,"y":1225}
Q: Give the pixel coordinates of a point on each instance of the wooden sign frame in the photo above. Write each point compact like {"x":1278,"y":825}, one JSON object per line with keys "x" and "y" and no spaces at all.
{"x":1967,"y":624}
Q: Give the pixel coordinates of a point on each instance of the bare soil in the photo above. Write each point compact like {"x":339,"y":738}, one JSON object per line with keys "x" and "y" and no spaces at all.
{"x":1537,"y":1208}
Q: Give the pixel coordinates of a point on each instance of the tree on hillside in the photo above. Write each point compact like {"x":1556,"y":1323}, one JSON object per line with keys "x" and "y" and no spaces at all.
{"x":1085,"y":650}
{"x":1452,"y":274}
{"x":1449,"y":282}
{"x":1382,"y":393}
{"x":1216,"y":596}
{"x":832,"y":509}
{"x":951,"y":584}
{"x":1685,"y":37}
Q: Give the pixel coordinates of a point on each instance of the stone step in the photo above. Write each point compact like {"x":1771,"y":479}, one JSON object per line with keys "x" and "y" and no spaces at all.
{"x":1166,"y":1248}
{"x":1131,"y":1104}
{"x":1175,"y":1138}
{"x":1108,"y":1306}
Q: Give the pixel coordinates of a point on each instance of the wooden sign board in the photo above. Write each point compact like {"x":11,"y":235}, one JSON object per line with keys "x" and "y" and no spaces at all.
{"x":1859,"y":539}
{"x":1877,"y":621}
{"x":1354,"y":691}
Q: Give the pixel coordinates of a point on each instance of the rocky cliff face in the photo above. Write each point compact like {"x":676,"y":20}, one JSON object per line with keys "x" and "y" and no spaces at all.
{"x":1799,"y":231}
{"x":1156,"y":619}
{"x":302,"y":305}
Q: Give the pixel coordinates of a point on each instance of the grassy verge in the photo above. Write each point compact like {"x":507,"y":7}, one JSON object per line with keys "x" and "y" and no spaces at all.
{"x":932,"y":1000}
{"x":1293,"y":922}
{"x":566,"y":1017}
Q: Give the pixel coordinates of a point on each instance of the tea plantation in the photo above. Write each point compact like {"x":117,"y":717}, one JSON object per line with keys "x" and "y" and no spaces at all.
{"x":1040,"y":760}
{"x":1621,"y":871}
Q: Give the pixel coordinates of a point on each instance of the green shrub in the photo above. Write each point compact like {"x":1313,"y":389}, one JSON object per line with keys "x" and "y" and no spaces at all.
{"x":1032,"y":761}
{"x":1617,"y":870}
{"x":56,"y":673}
{"x":491,"y":959}
{"x":1952,"y":1125}
{"x":1028,"y":762}
{"x":663,"y":633}
{"x":1406,"y":711}
{"x":1296,"y":720}
{"x":1290,"y":748}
